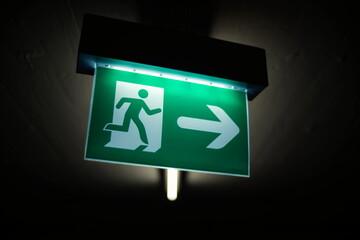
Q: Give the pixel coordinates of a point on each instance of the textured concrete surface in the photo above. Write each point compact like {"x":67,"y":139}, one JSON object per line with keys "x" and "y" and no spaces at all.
{"x":304,"y":127}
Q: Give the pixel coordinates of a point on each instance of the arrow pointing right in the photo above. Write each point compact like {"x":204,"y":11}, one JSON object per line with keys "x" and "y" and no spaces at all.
{"x":225,"y":126}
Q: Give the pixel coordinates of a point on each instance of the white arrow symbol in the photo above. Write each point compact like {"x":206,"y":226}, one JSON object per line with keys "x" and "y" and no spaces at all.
{"x":225,"y":126}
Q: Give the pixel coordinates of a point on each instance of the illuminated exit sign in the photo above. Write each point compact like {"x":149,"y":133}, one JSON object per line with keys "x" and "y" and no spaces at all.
{"x":150,"y":119}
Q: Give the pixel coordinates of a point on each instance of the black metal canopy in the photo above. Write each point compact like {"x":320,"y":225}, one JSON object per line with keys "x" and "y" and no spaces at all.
{"x":103,"y":37}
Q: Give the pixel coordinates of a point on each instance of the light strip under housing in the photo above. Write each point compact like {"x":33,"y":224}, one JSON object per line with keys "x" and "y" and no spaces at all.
{"x":170,"y":54}
{"x":169,"y":73}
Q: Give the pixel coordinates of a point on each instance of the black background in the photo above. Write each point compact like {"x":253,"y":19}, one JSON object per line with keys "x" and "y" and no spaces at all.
{"x":304,"y":127}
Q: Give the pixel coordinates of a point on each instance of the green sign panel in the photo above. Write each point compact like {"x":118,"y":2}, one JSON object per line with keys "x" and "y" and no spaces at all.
{"x":161,"y":122}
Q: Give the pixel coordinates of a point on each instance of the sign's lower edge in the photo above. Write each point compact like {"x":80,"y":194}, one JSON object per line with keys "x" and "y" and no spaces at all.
{"x":162,"y":167}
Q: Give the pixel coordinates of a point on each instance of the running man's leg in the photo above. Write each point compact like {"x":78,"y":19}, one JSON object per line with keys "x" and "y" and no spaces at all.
{"x":122,"y":128}
{"x":142,"y":130}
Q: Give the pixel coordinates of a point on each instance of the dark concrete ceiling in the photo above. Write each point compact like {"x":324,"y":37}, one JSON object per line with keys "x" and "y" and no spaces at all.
{"x":303,"y":128}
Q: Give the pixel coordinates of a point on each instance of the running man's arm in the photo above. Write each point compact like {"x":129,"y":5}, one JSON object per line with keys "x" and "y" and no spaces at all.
{"x":121,"y":102}
{"x":151,"y":112}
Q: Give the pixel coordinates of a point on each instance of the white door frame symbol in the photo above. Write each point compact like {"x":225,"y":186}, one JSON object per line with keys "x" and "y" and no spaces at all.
{"x":143,"y":131}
